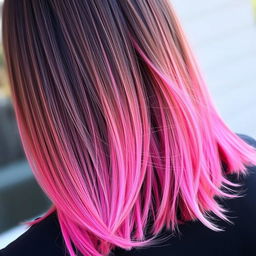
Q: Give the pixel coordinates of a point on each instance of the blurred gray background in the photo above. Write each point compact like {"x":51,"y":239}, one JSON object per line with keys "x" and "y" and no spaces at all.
{"x":222,"y":34}
{"x":21,"y":198}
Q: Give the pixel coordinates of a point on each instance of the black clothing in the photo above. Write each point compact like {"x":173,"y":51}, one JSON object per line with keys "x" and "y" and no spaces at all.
{"x":239,"y":239}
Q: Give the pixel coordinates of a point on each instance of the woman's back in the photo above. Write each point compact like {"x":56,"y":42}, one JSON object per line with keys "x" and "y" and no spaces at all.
{"x":193,"y":238}
{"x":118,"y":126}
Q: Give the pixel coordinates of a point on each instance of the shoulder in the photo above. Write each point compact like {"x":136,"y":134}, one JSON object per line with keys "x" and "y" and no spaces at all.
{"x":249,"y":179}
{"x":249,"y":139}
{"x":43,"y":238}
{"x":243,"y":209}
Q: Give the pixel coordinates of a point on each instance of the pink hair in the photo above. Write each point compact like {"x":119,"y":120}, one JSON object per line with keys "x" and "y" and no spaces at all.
{"x":116,"y":120}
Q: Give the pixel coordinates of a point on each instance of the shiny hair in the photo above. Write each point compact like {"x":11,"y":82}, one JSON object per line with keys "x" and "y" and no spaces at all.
{"x":116,"y":120}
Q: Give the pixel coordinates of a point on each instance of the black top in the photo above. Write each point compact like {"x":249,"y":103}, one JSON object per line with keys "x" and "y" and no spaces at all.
{"x":45,"y":239}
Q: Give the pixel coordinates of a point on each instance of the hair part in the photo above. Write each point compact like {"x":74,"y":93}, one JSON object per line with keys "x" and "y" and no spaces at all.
{"x":116,"y":120}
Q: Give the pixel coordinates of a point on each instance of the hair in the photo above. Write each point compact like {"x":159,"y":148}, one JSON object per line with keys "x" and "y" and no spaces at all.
{"x":116,"y":121}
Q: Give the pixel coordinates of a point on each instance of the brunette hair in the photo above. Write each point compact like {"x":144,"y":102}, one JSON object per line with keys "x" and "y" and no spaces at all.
{"x":116,"y":120}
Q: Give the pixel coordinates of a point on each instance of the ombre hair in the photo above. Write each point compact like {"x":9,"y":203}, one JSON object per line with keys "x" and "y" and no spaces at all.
{"x":116,"y":120}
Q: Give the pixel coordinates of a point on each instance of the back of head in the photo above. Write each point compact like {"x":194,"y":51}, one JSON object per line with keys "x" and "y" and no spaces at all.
{"x":115,"y":119}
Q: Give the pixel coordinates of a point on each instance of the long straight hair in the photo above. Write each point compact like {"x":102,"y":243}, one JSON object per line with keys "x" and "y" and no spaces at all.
{"x":116,"y":120}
